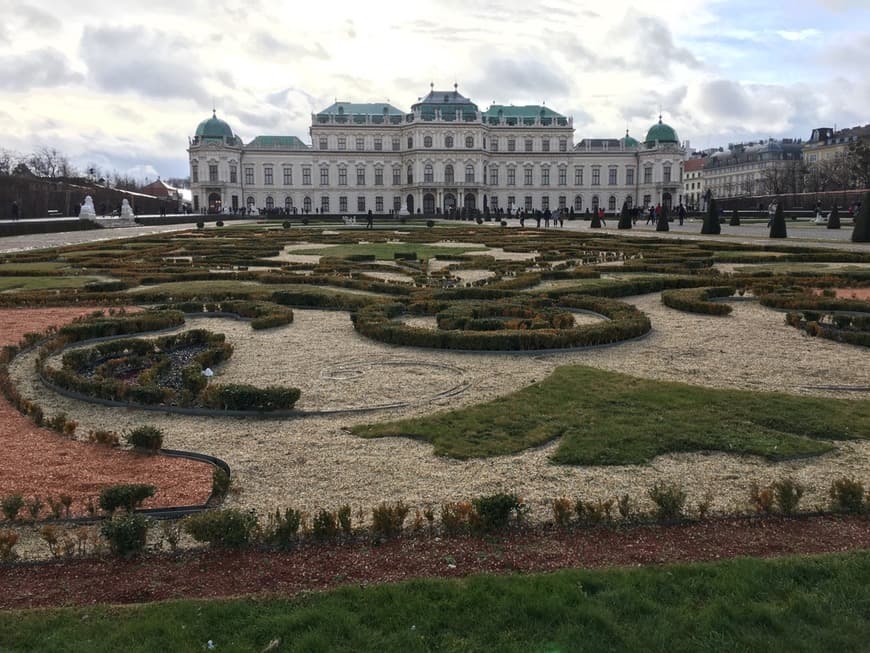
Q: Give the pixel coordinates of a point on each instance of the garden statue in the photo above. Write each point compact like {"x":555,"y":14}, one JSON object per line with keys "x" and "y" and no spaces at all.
{"x":126,"y":209}
{"x":88,"y":208}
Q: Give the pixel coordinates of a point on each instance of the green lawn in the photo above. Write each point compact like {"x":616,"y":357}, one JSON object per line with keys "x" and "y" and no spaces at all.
{"x":811,"y":604}
{"x":40,"y":267}
{"x":42,"y":283}
{"x":386,"y":251}
{"x":605,"y":418}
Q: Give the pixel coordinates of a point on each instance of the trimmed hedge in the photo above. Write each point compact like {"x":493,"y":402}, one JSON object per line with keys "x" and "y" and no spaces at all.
{"x":697,"y":300}
{"x":248,"y":397}
{"x":128,"y":496}
{"x":378,"y":322}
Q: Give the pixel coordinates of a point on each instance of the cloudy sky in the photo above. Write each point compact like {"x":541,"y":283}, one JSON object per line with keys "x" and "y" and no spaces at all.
{"x":124,"y":84}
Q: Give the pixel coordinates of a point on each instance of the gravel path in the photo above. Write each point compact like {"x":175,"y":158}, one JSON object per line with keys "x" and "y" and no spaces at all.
{"x":315,"y":462}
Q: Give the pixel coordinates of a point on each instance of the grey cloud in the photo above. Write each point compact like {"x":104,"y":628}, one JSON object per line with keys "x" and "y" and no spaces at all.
{"x":440,"y":31}
{"x":649,"y":102}
{"x":36,"y":20}
{"x":652,"y":45}
{"x":524,"y":77}
{"x":35,"y":69}
{"x":150,"y":62}
{"x":265,"y":44}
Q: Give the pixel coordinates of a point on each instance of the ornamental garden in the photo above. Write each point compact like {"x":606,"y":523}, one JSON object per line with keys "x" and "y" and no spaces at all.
{"x":420,"y":377}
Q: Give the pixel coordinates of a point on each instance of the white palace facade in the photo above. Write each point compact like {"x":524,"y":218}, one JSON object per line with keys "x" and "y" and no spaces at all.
{"x":445,"y":154}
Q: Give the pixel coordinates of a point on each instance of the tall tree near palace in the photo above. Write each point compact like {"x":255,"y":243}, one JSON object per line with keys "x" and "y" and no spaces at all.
{"x":777,"y":225}
{"x":711,"y":218}
{"x":624,"y":217}
{"x":861,"y":231}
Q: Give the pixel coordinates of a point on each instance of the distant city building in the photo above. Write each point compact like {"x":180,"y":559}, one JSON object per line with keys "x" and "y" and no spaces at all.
{"x":825,"y":143}
{"x":754,"y":168}
{"x":445,"y":154}
{"x":693,"y":182}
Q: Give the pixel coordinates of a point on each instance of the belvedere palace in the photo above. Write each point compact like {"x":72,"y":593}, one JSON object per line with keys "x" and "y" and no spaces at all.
{"x":446,"y":154}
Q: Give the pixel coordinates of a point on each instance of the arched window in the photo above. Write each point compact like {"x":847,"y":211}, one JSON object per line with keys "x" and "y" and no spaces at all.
{"x":578,"y":203}
{"x":288,"y":203}
{"x":448,"y":141}
{"x":448,"y":174}
{"x":629,"y":201}
{"x":469,"y":141}
{"x":594,"y":203}
{"x":469,"y":174}
{"x":306,"y":205}
{"x":611,"y":203}
{"x":428,"y":173}
{"x":270,"y":203}
{"x":427,"y":141}
{"x":410,"y":175}
{"x":251,"y":203}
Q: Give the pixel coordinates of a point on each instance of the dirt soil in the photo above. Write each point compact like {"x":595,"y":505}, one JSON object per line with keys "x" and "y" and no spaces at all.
{"x":320,"y":566}
{"x":38,"y":461}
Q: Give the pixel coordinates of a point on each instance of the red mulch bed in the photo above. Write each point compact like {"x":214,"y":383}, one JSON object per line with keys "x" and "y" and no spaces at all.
{"x":214,"y":574}
{"x":37,"y":461}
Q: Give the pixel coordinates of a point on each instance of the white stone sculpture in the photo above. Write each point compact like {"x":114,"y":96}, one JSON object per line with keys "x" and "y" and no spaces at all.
{"x":126,"y":209}
{"x":87,"y":210}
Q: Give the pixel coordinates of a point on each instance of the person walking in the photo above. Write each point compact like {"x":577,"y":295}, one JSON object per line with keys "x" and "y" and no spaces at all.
{"x":370,"y":220}
{"x":15,"y":211}
{"x":601,"y":215}
{"x":681,"y":212}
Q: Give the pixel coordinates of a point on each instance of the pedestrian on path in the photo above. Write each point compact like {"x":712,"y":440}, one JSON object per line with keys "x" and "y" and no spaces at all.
{"x":16,"y":212}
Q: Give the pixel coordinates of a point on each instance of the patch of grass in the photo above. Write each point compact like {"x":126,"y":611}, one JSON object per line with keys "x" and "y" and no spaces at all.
{"x":36,"y":268}
{"x":387,"y":251}
{"x":605,"y":418}
{"x":814,"y":603}
{"x":24,"y":284}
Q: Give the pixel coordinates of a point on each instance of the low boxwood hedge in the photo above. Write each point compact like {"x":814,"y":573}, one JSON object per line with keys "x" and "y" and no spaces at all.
{"x":248,"y":397}
{"x":697,"y":300}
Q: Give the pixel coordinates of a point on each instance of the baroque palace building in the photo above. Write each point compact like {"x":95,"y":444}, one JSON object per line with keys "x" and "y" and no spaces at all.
{"x":445,"y":154}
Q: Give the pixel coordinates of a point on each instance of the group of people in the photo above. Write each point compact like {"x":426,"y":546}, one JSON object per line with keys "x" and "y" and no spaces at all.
{"x":547,"y":215}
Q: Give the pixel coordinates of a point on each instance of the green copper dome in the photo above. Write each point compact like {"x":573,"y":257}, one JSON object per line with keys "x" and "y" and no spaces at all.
{"x":662,"y":133}
{"x":629,"y":142}
{"x":214,"y":127}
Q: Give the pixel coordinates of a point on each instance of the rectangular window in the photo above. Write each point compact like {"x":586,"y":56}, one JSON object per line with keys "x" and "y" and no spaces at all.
{"x":563,"y":202}
{"x":545,"y":202}
{"x":397,"y":203}
{"x":267,"y":176}
{"x":395,"y":145}
{"x":306,"y":175}
{"x":527,"y":176}
{"x":360,"y":203}
{"x":342,"y":143}
{"x":666,"y":176}
{"x":493,"y":202}
{"x":563,"y":144}
{"x":379,"y":144}
{"x":342,"y":176}
{"x":288,"y":176}
{"x":379,"y":176}
{"x":596,"y":176}
{"x":545,"y":145}
{"x":578,"y":176}
{"x":647,"y":175}
{"x":428,"y":175}
{"x":379,"y":204}
{"x":528,"y":145}
{"x":493,"y":176}
{"x":342,"y":204}
{"x":324,"y":176}
{"x":611,"y":176}
{"x":397,"y":176}
{"x":360,"y":143}
{"x":545,"y":176}
{"x":324,"y":204}
{"x":527,"y":202}
{"x":629,"y":176}
{"x":249,"y":176}
{"x":194,"y":173}
{"x":493,"y":145}
{"x":323,"y":143}
{"x":512,"y":145}
{"x":410,"y":142}
{"x":512,"y":177}
{"x":234,"y":174}
{"x":563,"y":176}
{"x":512,"y":202}
{"x":212,"y":173}
{"x":360,"y":176}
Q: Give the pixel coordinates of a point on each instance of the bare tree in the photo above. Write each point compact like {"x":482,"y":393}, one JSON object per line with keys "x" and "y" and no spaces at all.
{"x":859,"y":164}
{"x":45,"y":162}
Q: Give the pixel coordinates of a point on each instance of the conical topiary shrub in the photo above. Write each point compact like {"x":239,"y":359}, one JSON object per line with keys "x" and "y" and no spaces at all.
{"x":735,"y":218}
{"x":662,"y":224}
{"x":861,"y":231}
{"x":711,"y":218}
{"x":834,"y":218}
{"x":596,"y":221}
{"x":777,"y":226}
{"x":624,"y":217}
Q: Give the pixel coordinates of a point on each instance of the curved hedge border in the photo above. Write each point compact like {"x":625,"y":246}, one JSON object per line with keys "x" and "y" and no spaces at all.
{"x":263,"y":315}
{"x":805,"y":301}
{"x":626,"y":322}
{"x":697,"y":300}
{"x":849,"y":329}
